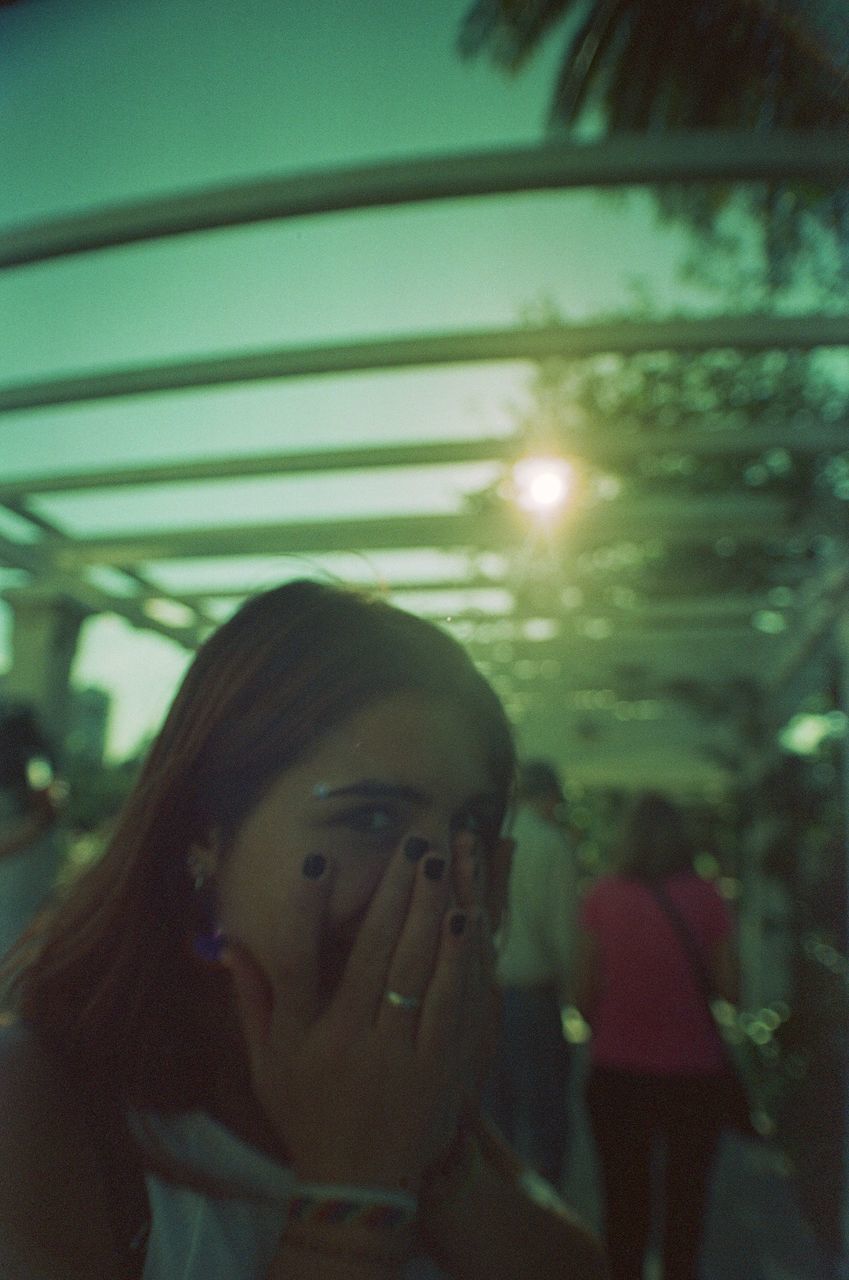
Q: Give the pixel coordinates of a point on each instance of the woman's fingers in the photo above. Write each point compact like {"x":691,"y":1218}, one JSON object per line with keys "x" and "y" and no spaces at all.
{"x":445,"y":1007}
{"x":467,"y":869}
{"x":401,"y":942}
{"x":438,"y":884}
{"x":411,"y":967}
{"x":359,"y":994}
{"x":500,"y":861}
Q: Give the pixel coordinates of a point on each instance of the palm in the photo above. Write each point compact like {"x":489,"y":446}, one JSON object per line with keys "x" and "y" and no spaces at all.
{"x":662,"y":64}
{"x":651,"y":65}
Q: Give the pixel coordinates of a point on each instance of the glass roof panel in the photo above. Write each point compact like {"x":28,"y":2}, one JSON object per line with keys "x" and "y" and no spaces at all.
{"x":340,"y":278}
{"x":257,"y":572}
{"x":367,"y":409}
{"x":79,"y":142}
{"x":448,"y":604}
{"x":223,"y":503}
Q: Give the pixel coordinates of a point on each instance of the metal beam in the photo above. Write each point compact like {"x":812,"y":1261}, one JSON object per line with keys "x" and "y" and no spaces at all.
{"x":654,"y":609}
{"x":741,"y":333}
{"x":645,"y":659}
{"x":699,"y":611}
{"x":632,"y":160}
{"x":754,"y":516}
{"x":53,"y":539}
{"x":51,"y":542}
{"x":191,"y":471}
{"x":48,"y":577}
{"x":605,"y":451}
{"x":284,"y":539}
{"x":824,"y":603}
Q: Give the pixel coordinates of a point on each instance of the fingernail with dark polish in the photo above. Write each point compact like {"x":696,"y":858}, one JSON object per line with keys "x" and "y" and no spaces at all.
{"x":414,"y":847}
{"x":314,"y":865}
{"x":434,"y":868}
{"x":458,"y":923}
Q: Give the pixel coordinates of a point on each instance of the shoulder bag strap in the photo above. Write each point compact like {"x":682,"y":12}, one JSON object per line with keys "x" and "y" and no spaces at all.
{"x":691,"y":950}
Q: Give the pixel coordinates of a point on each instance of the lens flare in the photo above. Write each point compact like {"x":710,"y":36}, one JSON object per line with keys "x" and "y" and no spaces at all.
{"x":542,"y":485}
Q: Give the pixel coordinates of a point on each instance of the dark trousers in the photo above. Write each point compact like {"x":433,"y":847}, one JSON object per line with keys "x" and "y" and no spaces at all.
{"x":526,"y":1094}
{"x":631,"y":1116}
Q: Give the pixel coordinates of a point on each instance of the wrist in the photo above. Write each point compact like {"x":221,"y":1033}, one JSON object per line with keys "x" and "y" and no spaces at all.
{"x":452,"y":1179}
{"x":347,"y":1251}
{"x":390,"y":1182}
{"x":377,"y":1209}
{"x":352,"y":1229}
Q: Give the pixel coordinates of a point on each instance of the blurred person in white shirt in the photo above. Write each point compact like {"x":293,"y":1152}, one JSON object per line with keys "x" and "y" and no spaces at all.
{"x":528,"y":1087}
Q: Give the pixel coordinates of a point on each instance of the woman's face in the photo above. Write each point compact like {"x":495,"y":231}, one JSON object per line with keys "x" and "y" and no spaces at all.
{"x":408,"y":764}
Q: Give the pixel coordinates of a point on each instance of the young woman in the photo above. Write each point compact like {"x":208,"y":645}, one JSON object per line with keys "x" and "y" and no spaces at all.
{"x":657,"y":1063}
{"x":257,"y":1026}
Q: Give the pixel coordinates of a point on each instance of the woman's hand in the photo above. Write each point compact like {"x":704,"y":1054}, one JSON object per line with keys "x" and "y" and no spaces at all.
{"x":478,"y":1220}
{"x":358,"y":1087}
{"x":480,"y":883}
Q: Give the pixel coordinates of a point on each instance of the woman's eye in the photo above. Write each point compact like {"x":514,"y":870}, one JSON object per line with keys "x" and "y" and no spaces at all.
{"x":471,"y":821}
{"x":371,"y":819}
{"x":481,"y":825}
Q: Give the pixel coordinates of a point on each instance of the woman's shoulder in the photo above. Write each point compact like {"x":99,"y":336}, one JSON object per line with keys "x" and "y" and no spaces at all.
{"x":689,"y":885}
{"x":610,"y":888}
{"x":701,"y":900}
{"x":54,"y":1213}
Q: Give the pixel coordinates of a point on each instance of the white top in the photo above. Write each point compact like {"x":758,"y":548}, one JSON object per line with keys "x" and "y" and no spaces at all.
{"x":538,"y":936}
{"x":233,"y":1233}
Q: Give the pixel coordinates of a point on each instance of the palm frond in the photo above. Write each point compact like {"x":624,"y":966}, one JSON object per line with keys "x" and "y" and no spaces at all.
{"x":586,"y":53}
{"x":655,"y":65}
{"x":512,"y":29}
{"x":666,"y":63}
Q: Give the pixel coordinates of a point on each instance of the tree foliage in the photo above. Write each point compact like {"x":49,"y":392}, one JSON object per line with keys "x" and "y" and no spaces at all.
{"x":648,"y":66}
{"x":723,"y":426}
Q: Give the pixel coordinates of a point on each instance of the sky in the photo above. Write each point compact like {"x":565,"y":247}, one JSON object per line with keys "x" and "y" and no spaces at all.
{"x":101,"y":102}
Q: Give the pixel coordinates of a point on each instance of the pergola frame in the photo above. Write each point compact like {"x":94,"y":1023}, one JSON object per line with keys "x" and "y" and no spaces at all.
{"x":638,"y":160}
{"x":60,"y":563}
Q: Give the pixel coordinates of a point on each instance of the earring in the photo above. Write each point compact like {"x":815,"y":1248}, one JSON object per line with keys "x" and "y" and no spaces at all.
{"x":209,"y":939}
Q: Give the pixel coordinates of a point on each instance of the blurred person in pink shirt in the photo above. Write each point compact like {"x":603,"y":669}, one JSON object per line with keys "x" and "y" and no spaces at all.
{"x":657,"y":1061}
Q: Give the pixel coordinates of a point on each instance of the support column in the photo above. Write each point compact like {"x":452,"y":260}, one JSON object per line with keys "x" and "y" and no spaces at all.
{"x":45,"y":630}
{"x":842,"y":649}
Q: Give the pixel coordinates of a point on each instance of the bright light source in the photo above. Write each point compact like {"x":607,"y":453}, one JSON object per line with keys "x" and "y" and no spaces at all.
{"x":542,"y":484}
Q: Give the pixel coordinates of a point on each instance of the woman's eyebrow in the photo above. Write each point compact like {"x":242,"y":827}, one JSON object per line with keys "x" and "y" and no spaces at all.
{"x":369,"y":788}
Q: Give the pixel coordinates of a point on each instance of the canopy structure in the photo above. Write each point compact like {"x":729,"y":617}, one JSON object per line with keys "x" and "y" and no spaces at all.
{"x":644,"y":634}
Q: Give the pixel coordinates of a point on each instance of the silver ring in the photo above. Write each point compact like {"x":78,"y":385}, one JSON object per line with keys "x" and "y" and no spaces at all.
{"x":401,"y":1002}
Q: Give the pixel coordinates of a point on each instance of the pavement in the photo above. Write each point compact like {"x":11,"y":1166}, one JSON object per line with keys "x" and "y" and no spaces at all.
{"x":756,"y":1229}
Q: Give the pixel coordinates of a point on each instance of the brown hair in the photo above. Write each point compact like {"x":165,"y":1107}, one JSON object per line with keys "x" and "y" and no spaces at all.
{"x":108,"y":979}
{"x":655,"y":843}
